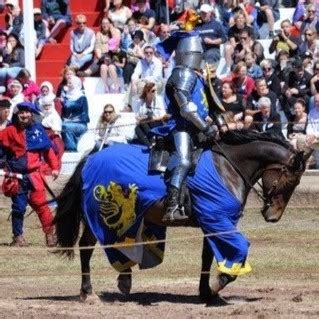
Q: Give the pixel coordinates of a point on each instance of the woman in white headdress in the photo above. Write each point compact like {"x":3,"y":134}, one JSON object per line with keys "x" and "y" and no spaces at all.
{"x":75,"y":114}
{"x":52,"y":122}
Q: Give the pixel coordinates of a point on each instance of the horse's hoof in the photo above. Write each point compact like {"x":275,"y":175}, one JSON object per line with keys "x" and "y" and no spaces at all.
{"x":124,"y":284}
{"x":90,"y":299}
{"x":217,"y":301}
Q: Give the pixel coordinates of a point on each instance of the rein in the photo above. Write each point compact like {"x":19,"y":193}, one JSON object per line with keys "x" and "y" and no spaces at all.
{"x":266,"y":199}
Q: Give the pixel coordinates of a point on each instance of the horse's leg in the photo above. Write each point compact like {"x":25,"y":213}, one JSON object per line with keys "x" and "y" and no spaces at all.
{"x":205,"y":293}
{"x":124,"y":281}
{"x":86,"y":240}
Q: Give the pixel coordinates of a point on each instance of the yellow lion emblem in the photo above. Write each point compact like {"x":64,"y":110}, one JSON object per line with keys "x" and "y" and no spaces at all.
{"x":117,"y":206}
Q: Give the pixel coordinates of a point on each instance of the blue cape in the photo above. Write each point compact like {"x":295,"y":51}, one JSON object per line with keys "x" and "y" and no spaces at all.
{"x":117,"y":190}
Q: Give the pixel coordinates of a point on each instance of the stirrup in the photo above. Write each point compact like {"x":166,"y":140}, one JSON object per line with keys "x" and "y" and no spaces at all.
{"x":175,"y":213}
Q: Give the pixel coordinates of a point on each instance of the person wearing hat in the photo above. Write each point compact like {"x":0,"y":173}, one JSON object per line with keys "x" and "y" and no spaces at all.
{"x":16,"y":96}
{"x":27,"y":146}
{"x":212,"y":34}
{"x":13,"y":17}
{"x":41,"y":30}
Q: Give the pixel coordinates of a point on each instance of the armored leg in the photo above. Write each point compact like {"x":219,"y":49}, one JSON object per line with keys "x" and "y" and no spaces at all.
{"x":179,"y":164}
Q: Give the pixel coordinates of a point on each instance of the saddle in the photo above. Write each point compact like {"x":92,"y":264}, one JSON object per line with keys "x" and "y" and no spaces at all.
{"x":158,"y":160}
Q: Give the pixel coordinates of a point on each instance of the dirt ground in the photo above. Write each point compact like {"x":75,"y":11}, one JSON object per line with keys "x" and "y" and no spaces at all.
{"x":284,"y":282}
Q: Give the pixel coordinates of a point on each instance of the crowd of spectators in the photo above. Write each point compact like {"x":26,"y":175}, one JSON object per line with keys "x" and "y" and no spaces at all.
{"x":122,"y":51}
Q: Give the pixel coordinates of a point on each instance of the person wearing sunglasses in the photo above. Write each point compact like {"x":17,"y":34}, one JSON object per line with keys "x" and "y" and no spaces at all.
{"x":271,"y":77}
{"x":149,"y":68}
{"x":310,"y":20}
{"x":82,"y":43}
{"x":150,"y":112}
{"x":109,"y":129}
{"x":309,"y":43}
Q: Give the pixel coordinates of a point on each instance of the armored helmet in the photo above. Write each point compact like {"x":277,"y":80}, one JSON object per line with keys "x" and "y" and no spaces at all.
{"x":189,"y":52}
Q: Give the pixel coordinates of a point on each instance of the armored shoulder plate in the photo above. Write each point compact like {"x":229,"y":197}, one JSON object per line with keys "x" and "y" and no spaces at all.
{"x":182,"y":79}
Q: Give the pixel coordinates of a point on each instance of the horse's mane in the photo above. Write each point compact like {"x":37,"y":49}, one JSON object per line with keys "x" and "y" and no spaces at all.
{"x":239,"y":137}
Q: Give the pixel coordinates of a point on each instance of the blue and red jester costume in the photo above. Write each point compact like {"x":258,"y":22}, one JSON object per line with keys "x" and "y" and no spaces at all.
{"x":28,"y":146}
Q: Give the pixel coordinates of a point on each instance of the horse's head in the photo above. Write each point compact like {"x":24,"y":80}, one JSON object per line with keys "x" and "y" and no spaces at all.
{"x":279,"y":182}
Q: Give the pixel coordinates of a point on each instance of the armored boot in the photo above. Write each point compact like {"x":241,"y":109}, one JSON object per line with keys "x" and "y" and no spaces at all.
{"x":173,"y":207}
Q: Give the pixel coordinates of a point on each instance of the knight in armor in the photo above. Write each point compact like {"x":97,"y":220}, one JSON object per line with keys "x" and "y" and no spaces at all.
{"x":187,"y":103}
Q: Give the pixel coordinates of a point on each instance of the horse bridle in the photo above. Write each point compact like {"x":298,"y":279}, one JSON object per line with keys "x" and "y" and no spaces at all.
{"x":267,"y":199}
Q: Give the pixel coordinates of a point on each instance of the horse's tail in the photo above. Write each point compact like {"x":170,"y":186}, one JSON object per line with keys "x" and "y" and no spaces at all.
{"x":69,"y":213}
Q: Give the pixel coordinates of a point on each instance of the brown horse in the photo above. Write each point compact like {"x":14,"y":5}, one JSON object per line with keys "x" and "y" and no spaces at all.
{"x":241,"y":159}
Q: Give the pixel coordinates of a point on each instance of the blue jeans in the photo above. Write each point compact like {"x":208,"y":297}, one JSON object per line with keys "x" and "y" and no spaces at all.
{"x":71,"y":133}
{"x":10,"y":72}
{"x":82,"y":61}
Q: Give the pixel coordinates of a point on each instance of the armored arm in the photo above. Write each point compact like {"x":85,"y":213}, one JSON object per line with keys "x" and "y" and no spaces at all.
{"x":183,"y":81}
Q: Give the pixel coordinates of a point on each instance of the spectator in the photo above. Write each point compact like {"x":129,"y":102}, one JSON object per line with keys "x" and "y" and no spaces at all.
{"x":108,"y":36}
{"x":57,"y":15}
{"x":67,"y":73}
{"x":283,"y":66}
{"x":247,"y":45}
{"x":212,"y":35}
{"x":82,"y":43}
{"x":13,"y":17}
{"x":5,"y":105}
{"x":150,"y":112}
{"x":314,"y":82}
{"x":148,"y":68}
{"x":261,"y":90}
{"x":110,"y":129}
{"x":30,"y":89}
{"x":232,"y":102}
{"x":28,"y":145}
{"x":271,"y":77}
{"x":16,"y":96}
{"x":297,"y":86}
{"x":310,"y":42}
{"x":265,"y":120}
{"x":269,"y":13}
{"x":163,"y":34}
{"x":128,"y":34}
{"x":243,"y":83}
{"x":3,"y":40}
{"x":144,"y":16}
{"x":308,"y":62}
{"x":253,"y":69}
{"x":119,"y":14}
{"x":313,"y":126}
{"x":297,"y":123}
{"x":134,"y":54}
{"x":234,"y":37}
{"x":285,"y":40}
{"x":300,"y":13}
{"x":74,"y":114}
{"x":41,"y":30}
{"x":310,"y":21}
{"x":46,"y":89}
{"x":13,"y":60}
{"x":52,"y":123}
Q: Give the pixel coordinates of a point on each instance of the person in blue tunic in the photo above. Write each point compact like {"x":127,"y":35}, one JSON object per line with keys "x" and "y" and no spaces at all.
{"x":187,"y":103}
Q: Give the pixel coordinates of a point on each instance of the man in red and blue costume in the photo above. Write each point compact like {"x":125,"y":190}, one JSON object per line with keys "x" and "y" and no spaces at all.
{"x":27,"y":145}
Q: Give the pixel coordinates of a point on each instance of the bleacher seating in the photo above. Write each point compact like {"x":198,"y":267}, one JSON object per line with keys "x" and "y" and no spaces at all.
{"x":53,"y":59}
